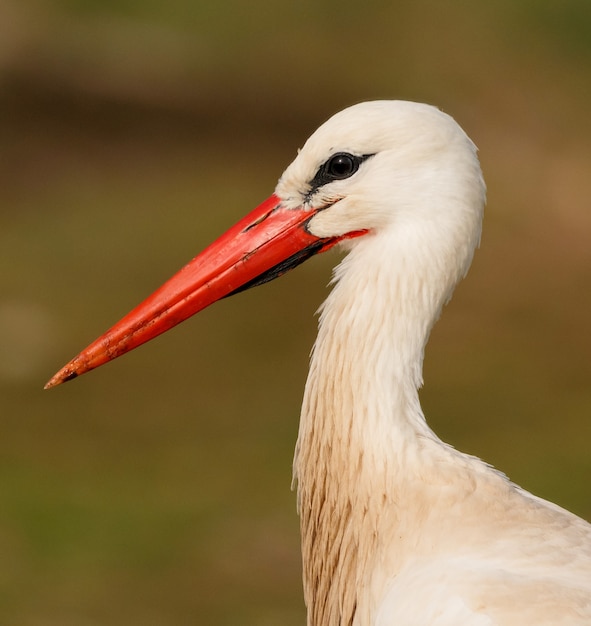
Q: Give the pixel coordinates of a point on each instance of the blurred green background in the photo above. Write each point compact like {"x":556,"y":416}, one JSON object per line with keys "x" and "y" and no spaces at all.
{"x":156,"y":490}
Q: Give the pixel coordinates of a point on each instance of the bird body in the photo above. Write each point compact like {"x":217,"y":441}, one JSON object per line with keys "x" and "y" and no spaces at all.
{"x":398,"y":528}
{"x":390,"y":515}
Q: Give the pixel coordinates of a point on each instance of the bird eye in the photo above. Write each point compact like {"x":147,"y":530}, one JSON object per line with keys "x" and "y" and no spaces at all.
{"x":341,"y":165}
{"x":338,"y":167}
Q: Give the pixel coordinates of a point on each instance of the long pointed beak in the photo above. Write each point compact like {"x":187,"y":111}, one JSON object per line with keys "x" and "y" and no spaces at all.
{"x":265,"y":244}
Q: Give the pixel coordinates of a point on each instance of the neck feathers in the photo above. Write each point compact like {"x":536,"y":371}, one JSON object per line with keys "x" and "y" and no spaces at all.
{"x":361,"y":425}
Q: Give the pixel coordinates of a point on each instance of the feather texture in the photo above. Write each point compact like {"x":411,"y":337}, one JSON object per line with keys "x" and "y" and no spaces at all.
{"x":399,"y":528}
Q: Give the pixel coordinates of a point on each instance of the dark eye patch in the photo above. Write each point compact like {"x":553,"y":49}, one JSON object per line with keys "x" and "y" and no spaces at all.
{"x":338,"y":167}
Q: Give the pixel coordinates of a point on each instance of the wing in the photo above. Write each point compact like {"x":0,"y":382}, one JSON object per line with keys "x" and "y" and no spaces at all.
{"x":460,"y":593}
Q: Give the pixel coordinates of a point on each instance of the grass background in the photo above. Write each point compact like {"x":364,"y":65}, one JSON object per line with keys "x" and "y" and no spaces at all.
{"x":156,"y":489}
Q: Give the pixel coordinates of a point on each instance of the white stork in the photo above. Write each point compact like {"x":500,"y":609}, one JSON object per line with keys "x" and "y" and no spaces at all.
{"x":398,"y":528}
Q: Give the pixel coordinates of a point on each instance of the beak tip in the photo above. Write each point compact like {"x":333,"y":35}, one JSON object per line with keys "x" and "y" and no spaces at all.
{"x":52,"y":382}
{"x":63,"y":376}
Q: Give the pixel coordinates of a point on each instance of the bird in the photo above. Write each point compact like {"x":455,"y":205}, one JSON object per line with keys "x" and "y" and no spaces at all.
{"x":398,"y":528}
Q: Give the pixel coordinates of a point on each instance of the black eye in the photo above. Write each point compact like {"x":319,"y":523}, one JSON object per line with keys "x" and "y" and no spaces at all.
{"x":338,"y":167}
{"x":341,"y":165}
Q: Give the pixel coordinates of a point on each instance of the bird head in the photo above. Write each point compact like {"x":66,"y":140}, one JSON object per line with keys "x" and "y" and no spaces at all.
{"x":384,"y":164}
{"x":373,"y":168}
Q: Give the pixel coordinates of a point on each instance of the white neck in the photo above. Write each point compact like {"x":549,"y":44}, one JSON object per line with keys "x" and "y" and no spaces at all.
{"x":362,"y":430}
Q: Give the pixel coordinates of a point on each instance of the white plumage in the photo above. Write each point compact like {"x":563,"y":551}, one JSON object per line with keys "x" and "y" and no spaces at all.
{"x":398,"y":528}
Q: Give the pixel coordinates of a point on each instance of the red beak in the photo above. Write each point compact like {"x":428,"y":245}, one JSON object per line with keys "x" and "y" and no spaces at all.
{"x":265,"y":244}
